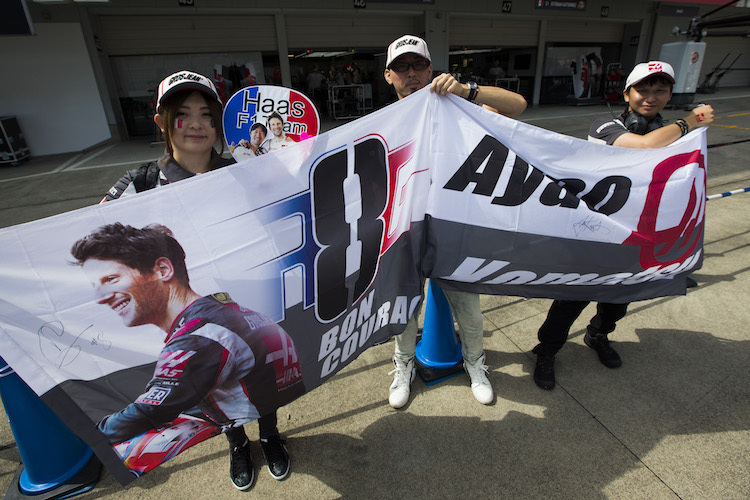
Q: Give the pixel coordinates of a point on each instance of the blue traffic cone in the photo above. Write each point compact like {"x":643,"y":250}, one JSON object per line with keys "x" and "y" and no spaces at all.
{"x":56,"y":462}
{"x":439,"y":352}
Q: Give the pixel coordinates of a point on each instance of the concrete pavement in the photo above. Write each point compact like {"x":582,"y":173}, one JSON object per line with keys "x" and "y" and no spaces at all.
{"x":673,"y":422}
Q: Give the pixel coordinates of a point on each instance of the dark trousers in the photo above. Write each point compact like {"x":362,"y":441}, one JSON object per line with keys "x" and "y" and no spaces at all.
{"x":266,"y":424}
{"x":563,"y":313}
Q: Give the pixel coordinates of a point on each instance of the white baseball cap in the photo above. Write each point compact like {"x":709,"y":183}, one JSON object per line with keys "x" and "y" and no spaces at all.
{"x":644,"y":70}
{"x":407,"y":44}
{"x":185,"y":80}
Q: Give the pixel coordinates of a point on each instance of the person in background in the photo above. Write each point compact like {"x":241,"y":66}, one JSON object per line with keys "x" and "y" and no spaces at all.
{"x":334,"y":76}
{"x":356,"y":73}
{"x":496,"y":71}
{"x":315,"y":83}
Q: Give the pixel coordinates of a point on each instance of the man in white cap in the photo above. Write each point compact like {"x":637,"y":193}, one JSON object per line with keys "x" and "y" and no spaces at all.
{"x":408,"y":68}
{"x":648,"y":89}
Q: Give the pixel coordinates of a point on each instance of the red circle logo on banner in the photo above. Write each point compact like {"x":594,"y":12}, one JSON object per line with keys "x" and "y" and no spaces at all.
{"x":662,"y":246}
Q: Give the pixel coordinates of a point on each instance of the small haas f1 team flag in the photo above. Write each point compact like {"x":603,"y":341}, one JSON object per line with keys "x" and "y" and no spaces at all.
{"x":278,"y":116}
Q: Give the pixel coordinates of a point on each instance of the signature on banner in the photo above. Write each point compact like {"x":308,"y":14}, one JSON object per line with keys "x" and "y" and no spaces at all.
{"x":57,"y":348}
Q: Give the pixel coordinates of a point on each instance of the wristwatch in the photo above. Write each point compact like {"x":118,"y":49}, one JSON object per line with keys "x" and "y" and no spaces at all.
{"x":473,"y":91}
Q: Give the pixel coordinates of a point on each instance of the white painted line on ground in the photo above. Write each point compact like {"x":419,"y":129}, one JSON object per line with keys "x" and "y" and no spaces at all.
{"x":31,"y":176}
{"x":90,"y":157}
{"x":65,"y":165}
{"x":134,"y":162}
{"x":721,"y":98}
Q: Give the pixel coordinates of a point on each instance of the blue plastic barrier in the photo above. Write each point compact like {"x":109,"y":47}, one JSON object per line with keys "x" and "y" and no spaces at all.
{"x":728,"y":193}
{"x":56,"y":462}
{"x":439,"y":352}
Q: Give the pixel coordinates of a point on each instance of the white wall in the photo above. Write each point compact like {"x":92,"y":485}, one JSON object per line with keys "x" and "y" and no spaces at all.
{"x":48,"y":84}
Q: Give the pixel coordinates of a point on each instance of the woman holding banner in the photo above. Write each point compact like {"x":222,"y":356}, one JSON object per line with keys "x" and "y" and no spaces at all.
{"x":189,"y":114}
{"x":189,"y":103}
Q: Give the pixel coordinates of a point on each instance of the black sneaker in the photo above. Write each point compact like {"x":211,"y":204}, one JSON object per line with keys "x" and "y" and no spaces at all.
{"x":691,"y":283}
{"x":544,"y":372}
{"x":600,"y":343}
{"x":241,"y":469}
{"x":277,"y":458}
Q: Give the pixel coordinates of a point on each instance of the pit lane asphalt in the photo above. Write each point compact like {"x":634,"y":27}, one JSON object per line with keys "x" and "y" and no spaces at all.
{"x":673,"y":422}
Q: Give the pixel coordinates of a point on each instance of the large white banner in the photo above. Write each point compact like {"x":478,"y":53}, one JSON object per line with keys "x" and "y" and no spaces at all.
{"x":303,"y":258}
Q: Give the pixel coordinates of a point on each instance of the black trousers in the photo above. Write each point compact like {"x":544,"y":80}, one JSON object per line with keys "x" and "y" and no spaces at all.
{"x":266,"y":424}
{"x":563,"y":313}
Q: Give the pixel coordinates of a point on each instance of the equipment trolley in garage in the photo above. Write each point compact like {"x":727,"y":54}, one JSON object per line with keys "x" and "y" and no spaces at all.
{"x":13,"y":147}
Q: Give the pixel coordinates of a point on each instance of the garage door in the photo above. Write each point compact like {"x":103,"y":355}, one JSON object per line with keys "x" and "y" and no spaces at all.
{"x":347,"y":31}
{"x":483,"y":32}
{"x":140,"y":35}
{"x":584,"y":32}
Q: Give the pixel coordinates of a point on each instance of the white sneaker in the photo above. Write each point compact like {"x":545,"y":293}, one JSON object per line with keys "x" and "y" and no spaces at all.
{"x":480,"y":384}
{"x":401,"y":386}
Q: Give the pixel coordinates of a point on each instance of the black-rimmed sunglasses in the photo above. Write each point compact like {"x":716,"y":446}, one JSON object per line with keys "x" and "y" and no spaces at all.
{"x":402,"y":67}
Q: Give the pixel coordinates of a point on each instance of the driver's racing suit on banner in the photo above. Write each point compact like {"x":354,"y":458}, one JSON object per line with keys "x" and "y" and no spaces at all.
{"x":232,"y":363}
